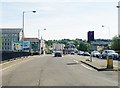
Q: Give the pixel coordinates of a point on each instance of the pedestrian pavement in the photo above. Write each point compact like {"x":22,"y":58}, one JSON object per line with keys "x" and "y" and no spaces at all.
{"x":99,"y":64}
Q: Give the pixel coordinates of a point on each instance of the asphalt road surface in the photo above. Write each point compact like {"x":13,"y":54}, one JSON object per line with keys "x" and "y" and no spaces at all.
{"x":56,"y":71}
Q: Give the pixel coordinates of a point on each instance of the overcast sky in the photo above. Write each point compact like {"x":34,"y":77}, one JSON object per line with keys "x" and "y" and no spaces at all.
{"x":62,"y":18}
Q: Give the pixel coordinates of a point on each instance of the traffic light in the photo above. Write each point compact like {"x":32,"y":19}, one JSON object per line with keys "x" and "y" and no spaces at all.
{"x":90,"y":36}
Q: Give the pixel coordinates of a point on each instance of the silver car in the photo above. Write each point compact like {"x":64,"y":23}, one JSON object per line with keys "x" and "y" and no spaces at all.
{"x":95,"y":54}
{"x":110,"y":52}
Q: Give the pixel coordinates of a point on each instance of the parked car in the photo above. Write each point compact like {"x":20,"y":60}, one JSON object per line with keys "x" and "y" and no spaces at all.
{"x":58,"y":54}
{"x":95,"y":54}
{"x":110,"y":52}
{"x":80,"y":53}
{"x":86,"y":54}
{"x":72,"y":52}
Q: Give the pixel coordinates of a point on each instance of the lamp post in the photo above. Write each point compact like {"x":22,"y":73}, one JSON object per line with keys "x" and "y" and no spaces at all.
{"x":23,"y":21}
{"x":40,"y":39}
{"x":108,"y":30}
{"x":118,"y":18}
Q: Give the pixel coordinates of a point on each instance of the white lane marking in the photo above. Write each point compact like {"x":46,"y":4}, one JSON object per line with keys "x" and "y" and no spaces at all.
{"x":86,"y":67}
{"x":76,"y":61}
{"x":115,"y":66}
{"x":8,"y":67}
{"x":14,"y":65}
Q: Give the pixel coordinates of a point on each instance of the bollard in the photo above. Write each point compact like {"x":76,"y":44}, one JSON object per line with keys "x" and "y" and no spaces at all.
{"x":109,"y":61}
{"x":90,"y":57}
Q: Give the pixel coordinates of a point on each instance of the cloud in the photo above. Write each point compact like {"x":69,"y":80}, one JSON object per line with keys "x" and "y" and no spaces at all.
{"x":59,"y":0}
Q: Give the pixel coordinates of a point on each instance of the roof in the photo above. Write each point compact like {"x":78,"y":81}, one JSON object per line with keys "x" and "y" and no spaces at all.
{"x":10,"y":30}
{"x":32,"y":39}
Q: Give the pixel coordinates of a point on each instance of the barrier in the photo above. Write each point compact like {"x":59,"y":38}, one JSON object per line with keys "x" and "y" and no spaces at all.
{"x":7,"y":55}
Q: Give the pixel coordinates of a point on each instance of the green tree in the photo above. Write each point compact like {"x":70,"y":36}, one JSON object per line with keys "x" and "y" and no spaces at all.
{"x":84,"y":46}
{"x":116,"y":43}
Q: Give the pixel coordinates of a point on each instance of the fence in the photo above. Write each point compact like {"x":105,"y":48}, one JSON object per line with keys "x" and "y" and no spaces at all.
{"x":11,"y":55}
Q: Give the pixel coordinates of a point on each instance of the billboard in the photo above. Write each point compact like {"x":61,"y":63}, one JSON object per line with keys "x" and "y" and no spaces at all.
{"x":90,"y":36}
{"x":20,"y":45}
{"x":26,"y":45}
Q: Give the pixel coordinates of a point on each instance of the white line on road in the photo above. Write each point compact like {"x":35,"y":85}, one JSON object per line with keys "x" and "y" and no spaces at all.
{"x":8,"y":67}
{"x":76,"y":61}
{"x":115,"y":66}
{"x":86,"y":67}
{"x":14,"y":65}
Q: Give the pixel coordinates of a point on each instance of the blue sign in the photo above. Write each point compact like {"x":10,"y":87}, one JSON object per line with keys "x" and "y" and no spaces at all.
{"x":26,"y":45}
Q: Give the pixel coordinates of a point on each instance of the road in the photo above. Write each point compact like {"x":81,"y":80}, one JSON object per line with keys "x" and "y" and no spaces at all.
{"x":55,"y":71}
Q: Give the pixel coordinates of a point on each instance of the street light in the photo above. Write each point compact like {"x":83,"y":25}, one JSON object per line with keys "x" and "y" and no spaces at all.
{"x":23,"y":20}
{"x":107,"y":28}
{"x":109,"y":32}
{"x":118,"y":6}
{"x":39,"y":33}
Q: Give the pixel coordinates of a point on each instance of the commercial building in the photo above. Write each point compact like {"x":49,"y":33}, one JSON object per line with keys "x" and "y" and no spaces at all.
{"x":99,"y":45}
{"x":9,"y":35}
{"x":34,"y":45}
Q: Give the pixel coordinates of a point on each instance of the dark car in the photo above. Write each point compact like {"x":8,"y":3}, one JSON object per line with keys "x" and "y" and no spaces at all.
{"x":58,"y":54}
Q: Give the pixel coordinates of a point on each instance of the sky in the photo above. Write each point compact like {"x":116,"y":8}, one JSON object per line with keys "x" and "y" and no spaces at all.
{"x":68,"y":19}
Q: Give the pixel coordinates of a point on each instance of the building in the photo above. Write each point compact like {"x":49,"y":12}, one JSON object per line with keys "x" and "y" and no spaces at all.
{"x":58,"y":47}
{"x":9,"y":35}
{"x":99,"y":45}
{"x":70,"y":48}
{"x":90,"y":36}
{"x":34,"y":45}
{"x":42,"y":45}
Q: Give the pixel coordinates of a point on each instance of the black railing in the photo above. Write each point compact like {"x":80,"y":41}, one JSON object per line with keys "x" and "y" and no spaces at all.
{"x":7,"y":55}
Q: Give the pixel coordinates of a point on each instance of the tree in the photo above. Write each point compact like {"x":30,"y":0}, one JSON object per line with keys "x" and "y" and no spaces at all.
{"x":84,"y":46}
{"x":116,"y":43}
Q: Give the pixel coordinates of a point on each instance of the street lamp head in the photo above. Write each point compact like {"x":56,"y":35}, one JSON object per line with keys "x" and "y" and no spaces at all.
{"x":103,"y":26}
{"x":44,"y":28}
{"x":118,"y":6}
{"x":34,"y":11}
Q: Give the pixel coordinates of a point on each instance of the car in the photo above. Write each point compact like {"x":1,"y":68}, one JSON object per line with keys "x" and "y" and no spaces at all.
{"x":86,"y":54}
{"x":80,"y":53}
{"x":95,"y":54}
{"x":110,"y":52}
{"x":72,"y":52}
{"x":58,"y":54}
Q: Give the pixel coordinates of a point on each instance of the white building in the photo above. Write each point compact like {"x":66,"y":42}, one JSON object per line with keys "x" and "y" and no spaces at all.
{"x":58,"y":47}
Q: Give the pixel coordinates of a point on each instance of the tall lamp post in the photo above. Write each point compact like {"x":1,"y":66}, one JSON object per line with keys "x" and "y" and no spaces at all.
{"x":109,"y":33}
{"x":108,"y":29}
{"x":118,"y":18}
{"x":23,"y":21}
{"x":40,"y":39}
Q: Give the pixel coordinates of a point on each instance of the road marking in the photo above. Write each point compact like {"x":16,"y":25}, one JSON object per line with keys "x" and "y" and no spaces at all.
{"x":86,"y":67}
{"x":8,"y":67}
{"x":115,"y":66}
{"x":14,"y":65}
{"x":76,"y":61}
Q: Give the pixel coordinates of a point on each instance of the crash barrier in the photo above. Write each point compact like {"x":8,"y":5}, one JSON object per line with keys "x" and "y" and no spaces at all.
{"x":12,"y":55}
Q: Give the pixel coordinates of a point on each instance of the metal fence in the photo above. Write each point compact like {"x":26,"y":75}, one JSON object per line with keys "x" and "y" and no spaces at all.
{"x":12,"y":55}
